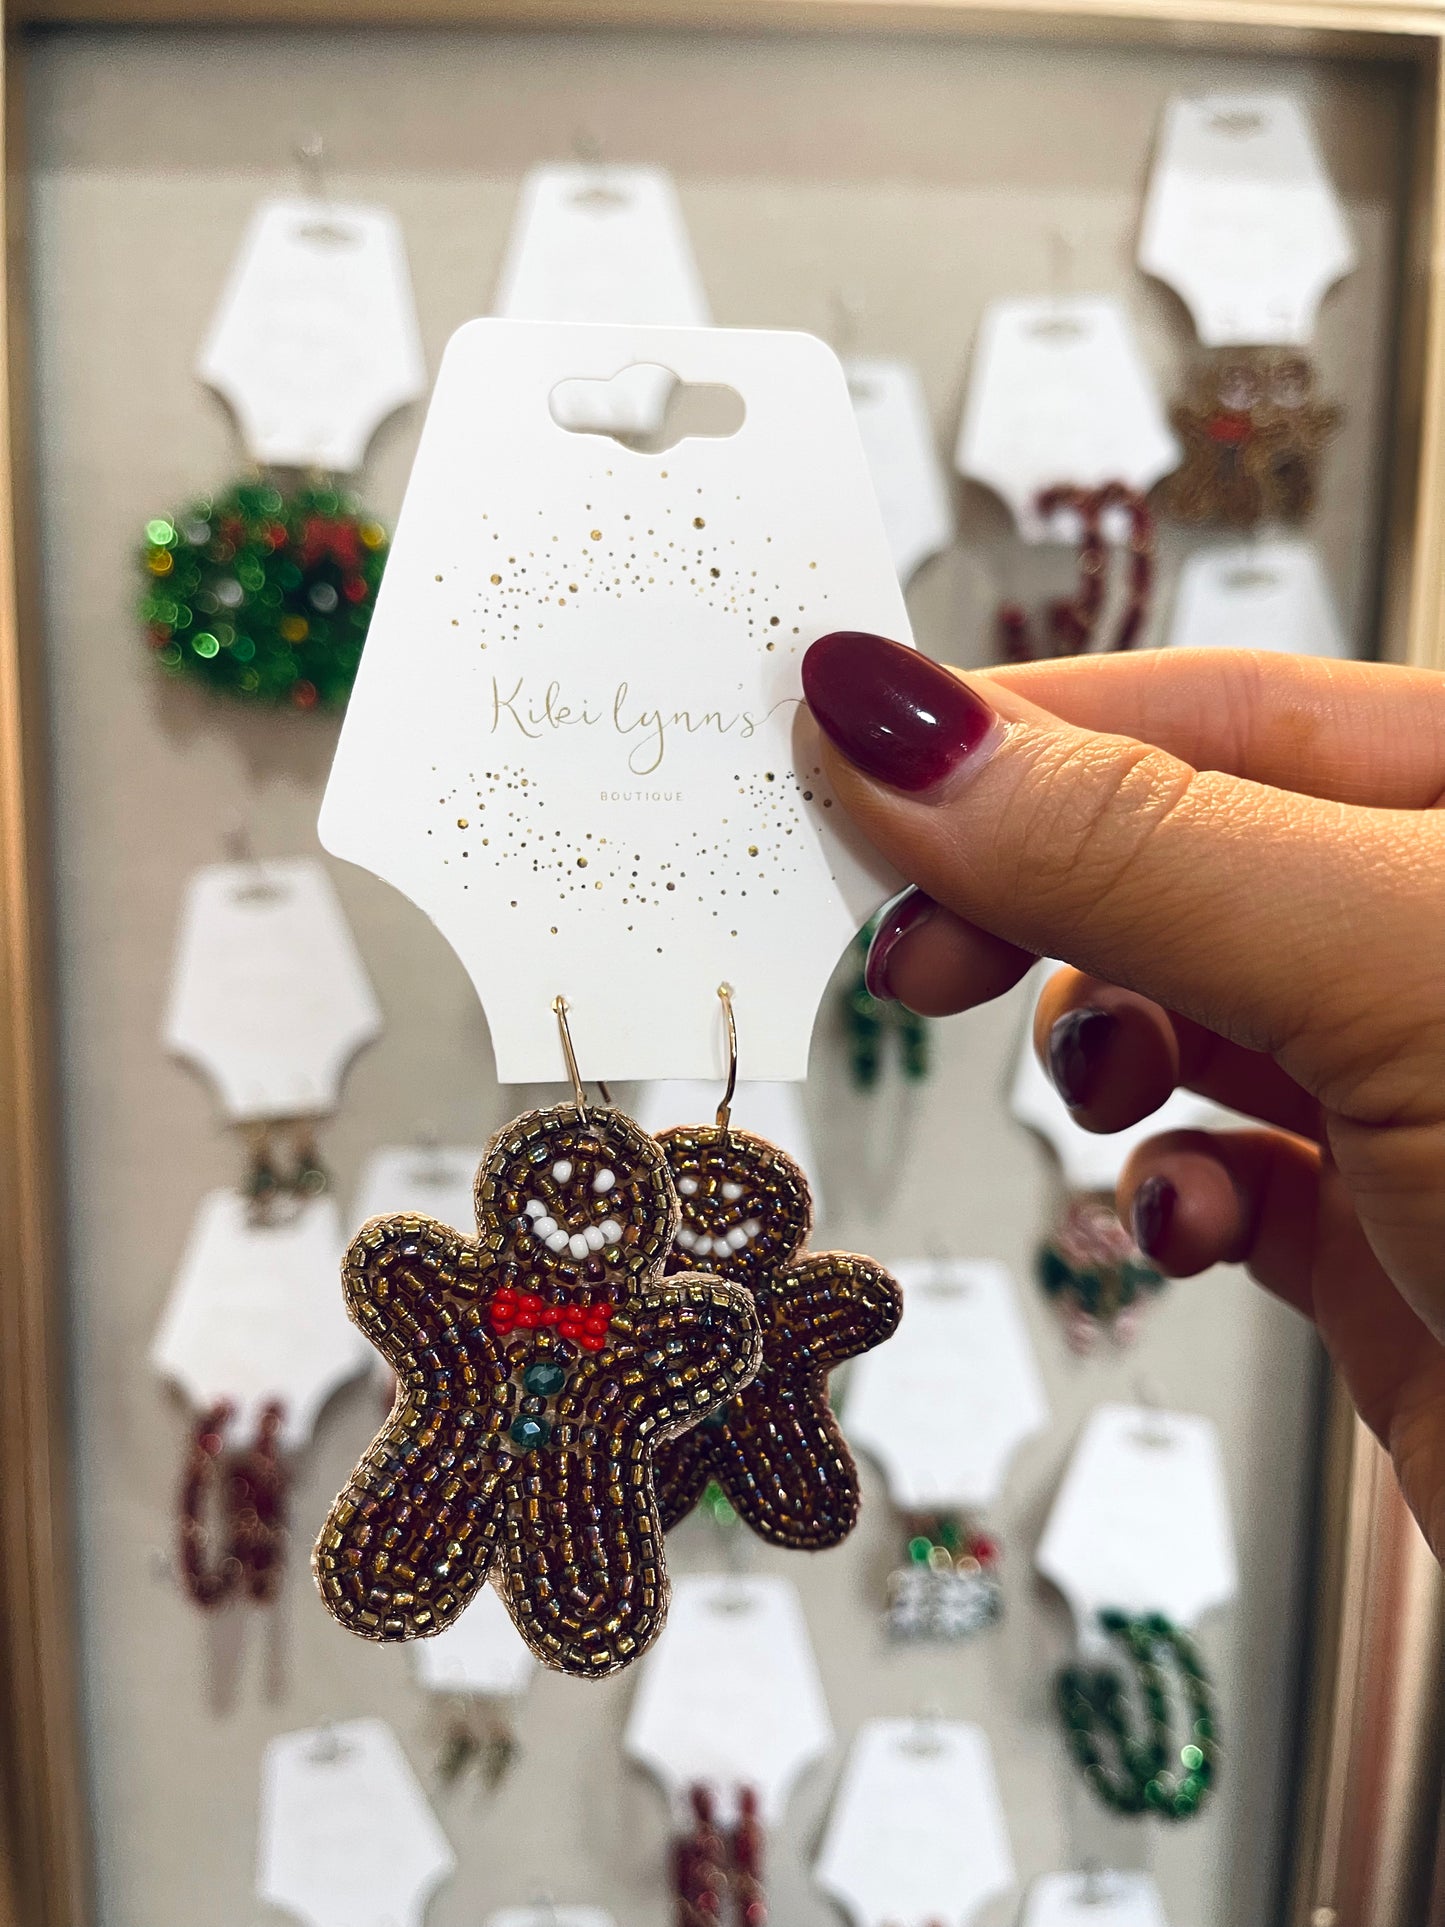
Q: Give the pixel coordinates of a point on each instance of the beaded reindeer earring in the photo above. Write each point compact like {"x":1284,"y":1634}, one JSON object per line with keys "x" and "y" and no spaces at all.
{"x":775,"y":1449}
{"x":540,"y":1366}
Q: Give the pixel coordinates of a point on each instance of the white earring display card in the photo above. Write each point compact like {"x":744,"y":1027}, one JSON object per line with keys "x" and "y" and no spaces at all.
{"x":346,"y":1837}
{"x":731,"y":1695}
{"x":591,"y":242}
{"x":481,"y":1653}
{"x":268,"y":996}
{"x":575,"y":739}
{"x":256,"y":1314}
{"x":315,"y":340}
{"x":897,"y":430}
{"x":598,"y":243}
{"x":1059,"y":393}
{"x":962,"y":1367}
{"x":547,"y":1915}
{"x":917,"y":1829}
{"x":1094,"y":1899}
{"x":432,"y":1180}
{"x":1241,"y":219}
{"x":1257,"y":595}
{"x":1141,"y":1522}
{"x":1090,"y":1160}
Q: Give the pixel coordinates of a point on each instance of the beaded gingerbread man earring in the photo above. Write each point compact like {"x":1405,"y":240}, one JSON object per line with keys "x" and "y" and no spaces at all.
{"x":539,"y":1367}
{"x":776,"y":1449}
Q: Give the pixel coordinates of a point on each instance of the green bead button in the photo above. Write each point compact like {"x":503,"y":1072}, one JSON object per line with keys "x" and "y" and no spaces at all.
{"x":529,"y":1432}
{"x":544,"y":1378}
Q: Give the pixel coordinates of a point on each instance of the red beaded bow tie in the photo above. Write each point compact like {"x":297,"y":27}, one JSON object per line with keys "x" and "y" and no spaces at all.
{"x":585,"y":1325}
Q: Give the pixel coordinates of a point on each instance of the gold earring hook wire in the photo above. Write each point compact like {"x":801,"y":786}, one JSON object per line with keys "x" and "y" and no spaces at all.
{"x":725,"y":1109}
{"x":559,"y":1005}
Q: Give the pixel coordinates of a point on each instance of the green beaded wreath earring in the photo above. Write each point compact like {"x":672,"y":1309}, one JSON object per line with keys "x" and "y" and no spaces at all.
{"x":1134,"y":1771}
{"x":263,"y":596}
{"x":264,"y":591}
{"x":1096,"y":1275}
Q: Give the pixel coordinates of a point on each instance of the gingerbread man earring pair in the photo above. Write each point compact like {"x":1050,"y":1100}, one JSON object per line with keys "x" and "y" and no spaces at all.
{"x":545,"y":1366}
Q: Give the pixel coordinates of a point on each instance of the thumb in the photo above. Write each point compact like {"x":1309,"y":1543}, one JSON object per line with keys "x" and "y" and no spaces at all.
{"x":1259,"y":912}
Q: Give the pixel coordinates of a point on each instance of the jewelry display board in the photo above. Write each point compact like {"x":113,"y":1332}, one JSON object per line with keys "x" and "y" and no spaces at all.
{"x":879,"y":188}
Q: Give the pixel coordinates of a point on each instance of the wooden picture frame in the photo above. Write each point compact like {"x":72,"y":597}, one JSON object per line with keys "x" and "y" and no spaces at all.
{"x":1366,"y":1846}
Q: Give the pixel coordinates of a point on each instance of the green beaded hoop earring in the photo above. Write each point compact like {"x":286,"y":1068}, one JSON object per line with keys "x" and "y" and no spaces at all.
{"x":1128,"y":1773}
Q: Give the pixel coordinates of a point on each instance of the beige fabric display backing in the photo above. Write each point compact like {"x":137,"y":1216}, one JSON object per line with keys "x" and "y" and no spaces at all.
{"x":924,"y":177}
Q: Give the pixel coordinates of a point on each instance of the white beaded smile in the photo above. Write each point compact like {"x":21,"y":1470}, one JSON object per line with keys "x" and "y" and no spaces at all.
{"x":562,"y":1237}
{"x":731,"y":1238}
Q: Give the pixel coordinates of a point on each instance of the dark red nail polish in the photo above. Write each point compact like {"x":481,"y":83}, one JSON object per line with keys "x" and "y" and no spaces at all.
{"x":1077,"y":1044}
{"x":911,"y":909}
{"x":895,"y":715}
{"x":1153,"y":1214}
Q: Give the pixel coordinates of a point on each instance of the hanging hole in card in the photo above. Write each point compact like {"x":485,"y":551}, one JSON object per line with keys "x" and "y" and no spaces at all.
{"x":1240,"y":123}
{"x":600,"y":197}
{"x":1249,"y":576}
{"x":257,"y":888}
{"x":328,"y":1748}
{"x":733,"y":1602}
{"x":322,"y":233}
{"x":693,"y":411}
{"x":922,"y":1738}
{"x":1058,"y":327}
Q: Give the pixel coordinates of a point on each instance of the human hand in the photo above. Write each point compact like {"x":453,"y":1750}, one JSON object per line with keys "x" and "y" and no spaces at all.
{"x":1244,"y":856}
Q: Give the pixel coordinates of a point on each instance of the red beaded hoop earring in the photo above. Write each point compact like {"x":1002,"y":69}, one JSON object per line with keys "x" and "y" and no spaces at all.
{"x":210,"y":1582}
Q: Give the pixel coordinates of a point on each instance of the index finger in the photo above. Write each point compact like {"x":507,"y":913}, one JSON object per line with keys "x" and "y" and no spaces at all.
{"x":1349,"y":732}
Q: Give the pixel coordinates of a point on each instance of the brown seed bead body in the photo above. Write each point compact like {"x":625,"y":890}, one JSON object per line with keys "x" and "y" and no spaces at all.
{"x":776,"y":1449}
{"x":477,"y":1474}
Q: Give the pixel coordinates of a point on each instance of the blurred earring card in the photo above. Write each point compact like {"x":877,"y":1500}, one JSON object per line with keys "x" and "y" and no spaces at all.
{"x":315,"y":340}
{"x":1059,"y":393}
{"x":575,"y":739}
{"x":1242,"y":221}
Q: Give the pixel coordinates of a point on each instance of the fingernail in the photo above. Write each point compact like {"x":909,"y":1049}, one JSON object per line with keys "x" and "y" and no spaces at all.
{"x":1152,"y":1214}
{"x":894,"y":714}
{"x":1077,"y":1044}
{"x":906,"y":914}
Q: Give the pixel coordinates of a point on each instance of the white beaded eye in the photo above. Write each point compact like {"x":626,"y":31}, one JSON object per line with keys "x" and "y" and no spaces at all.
{"x":544,"y":1227}
{"x":535,"y":1208}
{"x":611,"y":1230}
{"x":732,"y":1192}
{"x":562,"y":1170}
{"x":604,"y":1181}
{"x":687,"y":1186}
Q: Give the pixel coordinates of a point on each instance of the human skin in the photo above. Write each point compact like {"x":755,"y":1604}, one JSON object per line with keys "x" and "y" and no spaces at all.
{"x":1243,"y":857}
